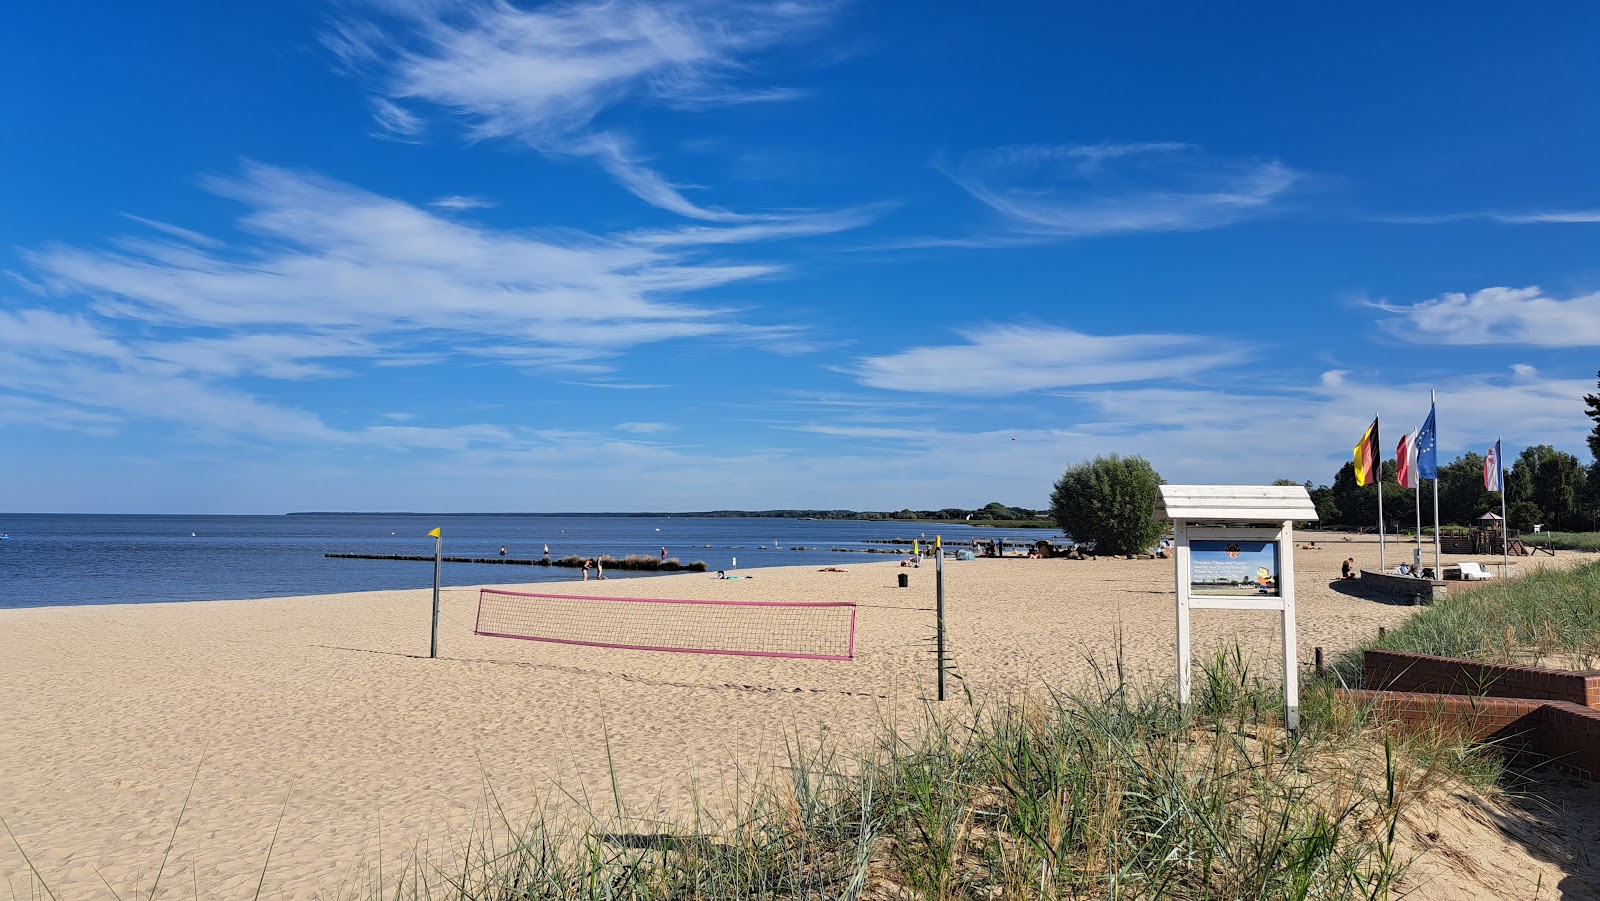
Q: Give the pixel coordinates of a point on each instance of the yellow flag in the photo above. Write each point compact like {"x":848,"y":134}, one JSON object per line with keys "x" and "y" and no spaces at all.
{"x":434,"y":534}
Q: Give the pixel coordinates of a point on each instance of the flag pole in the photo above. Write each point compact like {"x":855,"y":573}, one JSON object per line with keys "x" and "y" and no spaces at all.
{"x":1418,"y":560}
{"x":1505,"y":524}
{"x":1377,"y":442}
{"x":1433,"y":410}
{"x":438,"y":551}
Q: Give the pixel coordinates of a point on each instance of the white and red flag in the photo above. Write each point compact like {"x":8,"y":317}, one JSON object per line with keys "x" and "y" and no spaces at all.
{"x":1405,"y":455}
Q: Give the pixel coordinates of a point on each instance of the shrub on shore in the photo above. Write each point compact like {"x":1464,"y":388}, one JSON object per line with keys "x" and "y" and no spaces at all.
{"x":1109,"y":501}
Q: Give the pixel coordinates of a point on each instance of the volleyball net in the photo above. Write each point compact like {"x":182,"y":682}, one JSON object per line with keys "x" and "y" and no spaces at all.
{"x":810,"y":630}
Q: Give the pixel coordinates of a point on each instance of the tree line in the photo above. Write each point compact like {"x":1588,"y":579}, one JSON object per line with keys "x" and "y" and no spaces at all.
{"x":1543,"y":486}
{"x":1109,"y":500}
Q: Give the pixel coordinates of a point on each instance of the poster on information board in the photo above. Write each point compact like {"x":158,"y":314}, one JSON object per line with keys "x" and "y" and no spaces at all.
{"x":1233,"y":568}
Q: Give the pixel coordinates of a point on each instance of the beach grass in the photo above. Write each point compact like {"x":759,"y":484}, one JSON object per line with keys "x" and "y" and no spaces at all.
{"x":1545,"y":617}
{"x":1564,"y":541}
{"x":1103,"y":793}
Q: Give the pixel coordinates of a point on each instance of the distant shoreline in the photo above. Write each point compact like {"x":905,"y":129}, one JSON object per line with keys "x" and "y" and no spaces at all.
{"x":814,"y":515}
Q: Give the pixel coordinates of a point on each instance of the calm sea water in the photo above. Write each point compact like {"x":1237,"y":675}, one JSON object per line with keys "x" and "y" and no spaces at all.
{"x":57,"y":559}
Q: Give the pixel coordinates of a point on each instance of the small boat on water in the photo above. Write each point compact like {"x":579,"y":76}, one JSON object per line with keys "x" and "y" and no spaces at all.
{"x":4,"y":537}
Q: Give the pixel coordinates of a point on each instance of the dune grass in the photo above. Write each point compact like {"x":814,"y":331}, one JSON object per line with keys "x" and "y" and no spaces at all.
{"x":1108,"y":793}
{"x":1564,"y":541}
{"x":1544,"y":617}
{"x":1104,"y":793}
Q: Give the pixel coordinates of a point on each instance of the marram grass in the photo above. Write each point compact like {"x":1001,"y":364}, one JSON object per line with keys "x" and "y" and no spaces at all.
{"x":1546,"y":617}
{"x":1107,"y":793}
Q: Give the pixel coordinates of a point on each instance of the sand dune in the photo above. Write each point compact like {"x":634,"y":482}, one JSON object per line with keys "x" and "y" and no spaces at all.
{"x":322,"y":718}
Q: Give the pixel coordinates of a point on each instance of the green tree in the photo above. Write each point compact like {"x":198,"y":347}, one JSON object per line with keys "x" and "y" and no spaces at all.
{"x":1591,"y":494}
{"x":1462,"y":497}
{"x":997,"y":510}
{"x":1546,"y":486}
{"x":1592,"y":401}
{"x":1327,"y":509}
{"x":1357,"y":505}
{"x":1109,"y":500}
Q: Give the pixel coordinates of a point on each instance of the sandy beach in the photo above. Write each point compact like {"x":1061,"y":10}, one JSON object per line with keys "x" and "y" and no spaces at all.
{"x":322,"y":718}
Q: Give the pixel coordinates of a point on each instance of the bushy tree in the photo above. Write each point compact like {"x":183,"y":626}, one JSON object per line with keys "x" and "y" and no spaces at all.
{"x":1109,"y":500}
{"x":1462,"y":497}
{"x":1591,"y":493}
{"x":1356,"y":506}
{"x":1546,"y":486}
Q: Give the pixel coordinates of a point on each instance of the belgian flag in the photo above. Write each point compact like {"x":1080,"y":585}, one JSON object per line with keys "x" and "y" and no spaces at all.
{"x":1367,"y":456}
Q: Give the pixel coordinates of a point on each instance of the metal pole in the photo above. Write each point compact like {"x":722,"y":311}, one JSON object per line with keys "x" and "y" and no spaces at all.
{"x":1417,"y":560}
{"x":1505,"y":525}
{"x":433,"y":637}
{"x":1433,"y":411}
{"x":1383,"y":565}
{"x":938,"y":582}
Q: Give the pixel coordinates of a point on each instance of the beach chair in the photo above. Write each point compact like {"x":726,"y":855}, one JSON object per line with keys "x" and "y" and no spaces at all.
{"x":1473,"y":572}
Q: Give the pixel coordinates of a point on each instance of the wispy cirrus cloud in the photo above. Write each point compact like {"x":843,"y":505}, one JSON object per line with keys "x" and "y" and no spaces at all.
{"x":1511,"y":316}
{"x":644,"y":428}
{"x":1076,"y":190}
{"x":1009,"y":359}
{"x":1546,"y":217}
{"x":545,"y":76}
{"x":460,"y":202}
{"x":328,"y":280}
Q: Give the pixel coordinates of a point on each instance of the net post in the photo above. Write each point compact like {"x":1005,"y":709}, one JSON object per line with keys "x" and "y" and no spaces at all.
{"x":433,"y":636}
{"x":938,"y":581}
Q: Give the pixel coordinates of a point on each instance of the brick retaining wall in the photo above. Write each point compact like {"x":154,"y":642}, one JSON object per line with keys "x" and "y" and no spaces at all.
{"x":1554,"y":714}
{"x":1396,"y":671}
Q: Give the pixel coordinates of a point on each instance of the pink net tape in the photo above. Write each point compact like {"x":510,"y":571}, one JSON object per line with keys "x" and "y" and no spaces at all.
{"x":810,"y":630}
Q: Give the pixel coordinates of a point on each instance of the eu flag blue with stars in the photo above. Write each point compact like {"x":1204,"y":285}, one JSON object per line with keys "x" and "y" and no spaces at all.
{"x":1428,"y":449}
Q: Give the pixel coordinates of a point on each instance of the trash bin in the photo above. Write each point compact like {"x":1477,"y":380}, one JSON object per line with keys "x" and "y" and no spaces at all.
{"x":905,"y":580}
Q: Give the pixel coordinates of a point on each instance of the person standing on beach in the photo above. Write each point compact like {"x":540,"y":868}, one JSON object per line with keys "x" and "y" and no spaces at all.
{"x":600,"y":567}
{"x":586,"y":570}
{"x":663,"y":555}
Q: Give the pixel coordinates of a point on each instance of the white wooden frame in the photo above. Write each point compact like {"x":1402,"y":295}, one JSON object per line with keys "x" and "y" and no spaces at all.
{"x":1283,"y":537}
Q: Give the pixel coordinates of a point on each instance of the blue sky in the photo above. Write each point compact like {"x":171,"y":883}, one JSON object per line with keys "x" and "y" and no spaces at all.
{"x":407,"y":255}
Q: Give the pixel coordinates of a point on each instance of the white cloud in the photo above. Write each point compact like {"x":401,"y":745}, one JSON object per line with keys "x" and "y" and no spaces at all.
{"x":1553,"y":217}
{"x":1009,"y":359}
{"x":1079,"y":190}
{"x":395,"y":119}
{"x":338,"y":282}
{"x":543,"y":76}
{"x":542,"y":73}
{"x":1518,"y":316}
{"x":1306,"y":432}
{"x":1547,"y":217}
{"x":644,"y":428}
{"x":458,"y":202}
{"x":1301,"y":430}
{"x":333,"y":258}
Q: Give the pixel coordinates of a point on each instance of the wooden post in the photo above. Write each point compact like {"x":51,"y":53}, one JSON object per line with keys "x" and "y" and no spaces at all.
{"x":1180,"y":560}
{"x":1291,"y":662}
{"x":1317,"y":654}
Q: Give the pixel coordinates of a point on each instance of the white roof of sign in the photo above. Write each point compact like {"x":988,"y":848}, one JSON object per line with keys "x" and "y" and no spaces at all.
{"x":1234,"y":503}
